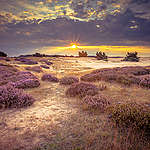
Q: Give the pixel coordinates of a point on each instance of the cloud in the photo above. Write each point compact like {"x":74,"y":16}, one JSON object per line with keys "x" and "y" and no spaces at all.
{"x":83,"y":10}
{"x":30,"y":24}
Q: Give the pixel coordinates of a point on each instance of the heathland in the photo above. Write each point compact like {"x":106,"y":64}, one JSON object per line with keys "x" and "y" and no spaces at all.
{"x":74,"y":103}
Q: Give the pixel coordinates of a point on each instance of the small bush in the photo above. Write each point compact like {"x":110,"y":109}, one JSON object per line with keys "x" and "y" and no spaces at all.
{"x":50,"y":78}
{"x":68,"y":80}
{"x":26,"y":61}
{"x":124,"y":75}
{"x":91,"y":77}
{"x":19,"y":79}
{"x":97,"y":101}
{"x":134,"y":70}
{"x":28,"y":83}
{"x":81,"y":90}
{"x":109,"y":76}
{"x":11,"y":97}
{"x":34,"y":69}
{"x":145,"y":81}
{"x":23,"y":75}
{"x":47,"y":62}
{"x":6,"y":71}
{"x":131,"y":114}
{"x":44,"y":66}
{"x":128,"y":79}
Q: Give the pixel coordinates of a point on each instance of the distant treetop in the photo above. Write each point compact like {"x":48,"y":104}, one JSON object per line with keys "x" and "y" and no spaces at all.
{"x":2,"y":54}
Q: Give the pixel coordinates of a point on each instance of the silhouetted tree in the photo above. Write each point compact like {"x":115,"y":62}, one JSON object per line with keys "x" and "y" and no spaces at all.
{"x":101,"y":56}
{"x":131,"y":57}
{"x":83,"y":54}
{"x":2,"y":54}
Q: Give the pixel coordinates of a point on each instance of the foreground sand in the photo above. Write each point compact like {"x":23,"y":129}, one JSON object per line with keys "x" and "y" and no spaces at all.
{"x":56,"y":122}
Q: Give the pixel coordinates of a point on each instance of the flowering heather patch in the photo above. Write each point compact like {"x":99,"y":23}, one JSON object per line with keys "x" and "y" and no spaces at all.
{"x":46,"y":62}
{"x":68,"y":80}
{"x":134,"y":70}
{"x":2,"y":58}
{"x":6,"y":71}
{"x":105,"y":70}
{"x":11,"y":97}
{"x":145,"y":81}
{"x":91,"y":77}
{"x":28,"y":83}
{"x":5,"y":58}
{"x":24,"y":80}
{"x":97,"y":101}
{"x":44,"y":66}
{"x":109,"y":76}
{"x":106,"y":76}
{"x":82,"y":89}
{"x":26,"y":61}
{"x":131,"y":114}
{"x":34,"y":69}
{"x":124,"y":75}
{"x":19,"y":79}
{"x":50,"y":78}
{"x":128,"y":79}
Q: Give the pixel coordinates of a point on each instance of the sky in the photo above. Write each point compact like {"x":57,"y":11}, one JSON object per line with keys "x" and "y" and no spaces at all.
{"x":52,"y":26}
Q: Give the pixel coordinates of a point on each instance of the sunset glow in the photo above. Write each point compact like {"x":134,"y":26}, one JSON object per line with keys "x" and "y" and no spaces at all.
{"x":74,"y":25}
{"x":74,"y":46}
{"x":109,"y":50}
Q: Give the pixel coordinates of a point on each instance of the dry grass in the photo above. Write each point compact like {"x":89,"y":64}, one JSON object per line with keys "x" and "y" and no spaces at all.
{"x":56,"y":122}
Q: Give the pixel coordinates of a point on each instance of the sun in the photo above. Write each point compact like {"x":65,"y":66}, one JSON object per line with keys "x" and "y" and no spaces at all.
{"x":74,"y":46}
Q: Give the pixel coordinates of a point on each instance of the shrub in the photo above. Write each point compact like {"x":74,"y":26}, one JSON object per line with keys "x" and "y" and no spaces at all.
{"x":2,"y":58}
{"x":50,"y":78}
{"x":134,"y":70}
{"x":101,"y":56}
{"x":68,"y":80}
{"x":44,"y":66}
{"x":11,"y":97}
{"x":91,"y":77}
{"x":128,"y":79}
{"x":81,"y":90}
{"x":102,"y":70}
{"x":47,"y":62}
{"x":109,"y":76}
{"x":34,"y":69}
{"x":145,"y":81}
{"x":124,"y":75}
{"x":83,"y":54}
{"x":97,"y":101}
{"x":19,"y":79}
{"x":131,"y":114}
{"x":24,"y":80}
{"x":23,"y":75}
{"x":28,"y":83}
{"x":6,"y":71}
{"x":26,"y":61}
{"x":38,"y":55}
{"x":7,"y":59}
{"x":131,"y":57}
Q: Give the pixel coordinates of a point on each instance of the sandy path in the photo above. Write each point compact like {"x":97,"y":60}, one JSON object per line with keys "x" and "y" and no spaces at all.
{"x":50,"y":111}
